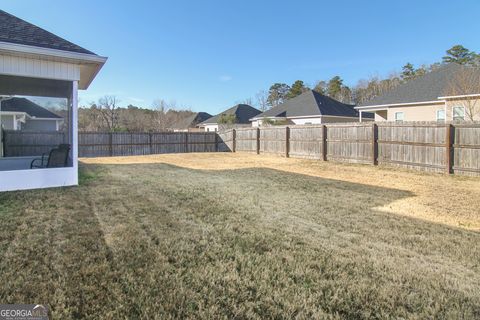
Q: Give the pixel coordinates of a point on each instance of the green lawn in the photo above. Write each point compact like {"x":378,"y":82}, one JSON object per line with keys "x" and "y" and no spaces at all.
{"x":161,"y":241}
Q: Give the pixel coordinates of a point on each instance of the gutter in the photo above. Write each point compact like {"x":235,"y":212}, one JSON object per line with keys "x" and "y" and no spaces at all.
{"x":384,"y":106}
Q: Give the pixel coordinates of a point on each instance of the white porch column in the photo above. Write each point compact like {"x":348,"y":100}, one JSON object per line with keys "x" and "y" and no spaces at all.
{"x":361,"y":115}
{"x":74,"y":128}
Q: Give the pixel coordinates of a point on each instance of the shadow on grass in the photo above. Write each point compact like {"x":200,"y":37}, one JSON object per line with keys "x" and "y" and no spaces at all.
{"x":147,"y":240}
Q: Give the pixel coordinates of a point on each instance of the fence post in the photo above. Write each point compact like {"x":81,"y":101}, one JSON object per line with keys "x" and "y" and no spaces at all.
{"x":186,"y":142}
{"x":287,"y":142}
{"x":150,"y":142}
{"x":234,"y":143}
{"x":449,"y":148}
{"x":110,"y":142}
{"x":216,"y":142}
{"x":324,"y":143}
{"x":2,"y":142}
{"x":205,"y":142}
{"x":258,"y":140}
{"x":374,"y":144}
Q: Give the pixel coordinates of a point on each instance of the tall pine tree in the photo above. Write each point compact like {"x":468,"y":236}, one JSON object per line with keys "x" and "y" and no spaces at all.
{"x":461,"y":55}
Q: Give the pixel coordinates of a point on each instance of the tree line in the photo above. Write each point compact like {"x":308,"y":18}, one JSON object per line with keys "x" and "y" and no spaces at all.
{"x":106,"y":115}
{"x":365,"y":89}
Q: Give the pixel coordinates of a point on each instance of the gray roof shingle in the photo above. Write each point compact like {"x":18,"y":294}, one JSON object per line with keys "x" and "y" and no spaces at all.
{"x":422,"y":89}
{"x":191,"y":121}
{"x":311,"y":103}
{"x":27,"y":106}
{"x":243,"y":113}
{"x":18,"y":31}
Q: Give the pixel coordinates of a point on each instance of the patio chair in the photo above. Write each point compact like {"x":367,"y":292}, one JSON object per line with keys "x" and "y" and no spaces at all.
{"x":57,"y":158}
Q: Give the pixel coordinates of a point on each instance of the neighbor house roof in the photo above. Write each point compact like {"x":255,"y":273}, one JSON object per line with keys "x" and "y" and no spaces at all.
{"x":28,"y":107}
{"x":242,"y":112}
{"x":311,"y":103}
{"x":16,"y":30}
{"x":191,"y":121}
{"x":426,"y":88}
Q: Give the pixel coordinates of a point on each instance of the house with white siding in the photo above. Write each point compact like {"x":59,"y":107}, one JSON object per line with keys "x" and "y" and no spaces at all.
{"x":450,"y":93}
{"x":309,"y":108}
{"x":21,"y":114}
{"x":238,"y":115}
{"x":37,"y":63}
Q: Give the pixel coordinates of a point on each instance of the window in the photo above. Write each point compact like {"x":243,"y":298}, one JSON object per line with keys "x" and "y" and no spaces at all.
{"x":458,"y":113}
{"x":441,"y":115}
{"x":399,"y":116}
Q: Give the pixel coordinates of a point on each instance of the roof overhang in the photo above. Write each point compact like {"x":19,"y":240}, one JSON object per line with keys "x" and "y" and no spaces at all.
{"x":266,"y":117}
{"x":24,"y":114}
{"x":462,"y":96}
{"x":89,"y":64}
{"x":50,"y":119}
{"x":386,"y":106}
{"x":301,"y":117}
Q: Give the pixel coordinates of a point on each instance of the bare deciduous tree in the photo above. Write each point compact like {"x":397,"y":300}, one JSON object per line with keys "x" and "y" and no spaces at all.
{"x":466,"y":83}
{"x":262,"y":100}
{"x":161,"y":108}
{"x":107,"y":107}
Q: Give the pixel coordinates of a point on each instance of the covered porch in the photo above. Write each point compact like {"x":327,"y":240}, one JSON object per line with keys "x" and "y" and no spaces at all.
{"x":38,"y":166}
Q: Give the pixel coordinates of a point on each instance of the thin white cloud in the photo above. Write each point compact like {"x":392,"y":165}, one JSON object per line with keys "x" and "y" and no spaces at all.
{"x":225,"y":78}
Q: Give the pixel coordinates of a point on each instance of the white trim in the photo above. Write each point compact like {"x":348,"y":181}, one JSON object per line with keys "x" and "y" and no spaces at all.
{"x":364,"y":108}
{"x":302,"y":117}
{"x":74,"y":129}
{"x":38,"y":178}
{"x":51,"y":119}
{"x":266,"y":117}
{"x":68,"y":55}
{"x":88,"y":63}
{"x":461,"y":96}
{"x":11,"y":113}
{"x":327,"y":116}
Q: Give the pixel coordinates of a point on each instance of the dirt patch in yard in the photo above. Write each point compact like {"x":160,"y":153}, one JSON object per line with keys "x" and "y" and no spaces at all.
{"x":438,"y":198}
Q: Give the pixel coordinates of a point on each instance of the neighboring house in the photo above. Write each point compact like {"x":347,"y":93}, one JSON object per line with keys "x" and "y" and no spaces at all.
{"x":449,"y":93}
{"x":241,"y":113}
{"x":190,"y":123}
{"x":310,"y":107}
{"x":37,"y":63}
{"x":23,"y":114}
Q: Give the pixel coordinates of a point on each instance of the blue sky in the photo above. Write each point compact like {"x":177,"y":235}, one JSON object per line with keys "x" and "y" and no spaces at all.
{"x":208,"y":55}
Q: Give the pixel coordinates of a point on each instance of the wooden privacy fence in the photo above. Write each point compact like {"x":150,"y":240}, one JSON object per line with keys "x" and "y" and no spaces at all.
{"x":104,"y":144}
{"x":452,"y":148}
{"x":95,"y":144}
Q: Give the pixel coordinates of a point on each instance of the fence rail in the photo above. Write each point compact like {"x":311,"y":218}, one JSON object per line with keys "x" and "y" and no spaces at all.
{"x":450,"y":148}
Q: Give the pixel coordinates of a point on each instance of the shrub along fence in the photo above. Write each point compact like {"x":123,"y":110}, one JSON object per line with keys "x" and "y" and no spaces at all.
{"x":104,"y":144}
{"x":450,"y":148}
